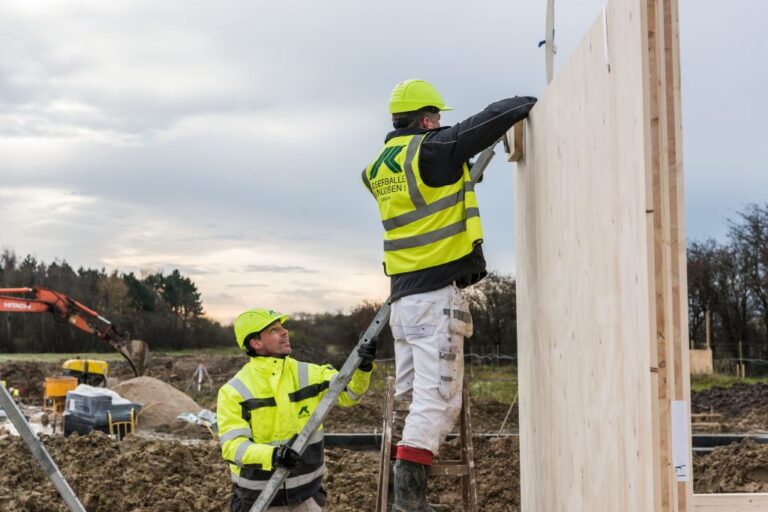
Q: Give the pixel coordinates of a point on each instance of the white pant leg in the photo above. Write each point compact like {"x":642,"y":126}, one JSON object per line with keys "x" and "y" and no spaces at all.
{"x":421,"y":322}
{"x":404,"y":372}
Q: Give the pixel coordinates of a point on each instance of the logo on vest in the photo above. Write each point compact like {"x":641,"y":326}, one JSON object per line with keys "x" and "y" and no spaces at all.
{"x":304,"y":411}
{"x":387,"y":157}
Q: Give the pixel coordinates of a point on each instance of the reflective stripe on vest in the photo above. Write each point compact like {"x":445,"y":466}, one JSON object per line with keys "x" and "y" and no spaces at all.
{"x":290,"y":483}
{"x":246,"y":433}
{"x":424,"y":226}
{"x":249,"y":403}
{"x":240,"y":452}
{"x":432,"y":236}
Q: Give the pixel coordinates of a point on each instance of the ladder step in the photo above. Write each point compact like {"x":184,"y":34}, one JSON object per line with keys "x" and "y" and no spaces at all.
{"x":449,"y":470}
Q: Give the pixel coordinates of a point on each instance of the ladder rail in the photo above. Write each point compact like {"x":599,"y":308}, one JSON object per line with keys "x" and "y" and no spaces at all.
{"x":50,"y":468}
{"x":463,"y":468}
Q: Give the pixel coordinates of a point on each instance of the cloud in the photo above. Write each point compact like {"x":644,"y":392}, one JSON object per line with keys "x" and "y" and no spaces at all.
{"x":229,"y":142}
{"x":277,"y":269}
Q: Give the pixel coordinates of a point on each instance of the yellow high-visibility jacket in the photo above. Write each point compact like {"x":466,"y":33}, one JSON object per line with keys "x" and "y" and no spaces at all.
{"x":423,"y":226}
{"x":264,"y":406}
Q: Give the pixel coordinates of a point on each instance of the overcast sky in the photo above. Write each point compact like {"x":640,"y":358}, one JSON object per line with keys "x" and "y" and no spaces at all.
{"x":226,"y":139}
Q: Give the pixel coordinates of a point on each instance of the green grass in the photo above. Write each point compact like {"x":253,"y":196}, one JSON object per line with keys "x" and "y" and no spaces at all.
{"x":55,"y":358}
{"x":488,"y":382}
{"x":213,"y":351}
{"x":703,"y":382}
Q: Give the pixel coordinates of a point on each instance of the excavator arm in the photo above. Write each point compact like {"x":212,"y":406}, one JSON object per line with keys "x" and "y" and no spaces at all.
{"x":65,"y":309}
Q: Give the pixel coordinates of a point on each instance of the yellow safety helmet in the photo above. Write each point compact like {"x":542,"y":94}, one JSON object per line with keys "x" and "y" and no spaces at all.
{"x":254,"y":321}
{"x":410,"y":95}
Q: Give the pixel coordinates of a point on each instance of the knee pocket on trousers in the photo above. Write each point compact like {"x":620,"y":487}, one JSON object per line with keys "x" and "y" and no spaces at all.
{"x":451,"y":362}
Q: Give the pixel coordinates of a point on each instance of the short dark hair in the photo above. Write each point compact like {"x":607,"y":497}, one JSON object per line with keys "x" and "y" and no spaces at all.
{"x":249,"y":350}
{"x":413,"y":118}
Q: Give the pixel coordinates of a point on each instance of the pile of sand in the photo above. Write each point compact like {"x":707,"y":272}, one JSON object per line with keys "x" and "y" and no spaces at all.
{"x":162,"y":402}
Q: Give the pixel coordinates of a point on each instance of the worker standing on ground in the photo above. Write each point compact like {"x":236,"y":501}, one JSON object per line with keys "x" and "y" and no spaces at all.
{"x":267,"y":404}
{"x":432,"y":249}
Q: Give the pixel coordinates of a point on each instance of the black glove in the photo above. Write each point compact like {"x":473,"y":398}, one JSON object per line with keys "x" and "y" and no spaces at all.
{"x":285,"y":457}
{"x":367,"y":353}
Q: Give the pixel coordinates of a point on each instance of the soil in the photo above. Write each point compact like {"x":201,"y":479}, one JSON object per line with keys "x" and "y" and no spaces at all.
{"x":739,"y":467}
{"x":133,"y":475}
{"x":181,"y":468}
{"x":744,"y":407}
{"x":140,"y":475}
{"x":161,"y":402}
{"x":28,"y":378}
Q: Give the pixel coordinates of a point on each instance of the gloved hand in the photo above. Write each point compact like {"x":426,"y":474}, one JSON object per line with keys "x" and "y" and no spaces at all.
{"x":367,"y":353}
{"x":285,"y":457}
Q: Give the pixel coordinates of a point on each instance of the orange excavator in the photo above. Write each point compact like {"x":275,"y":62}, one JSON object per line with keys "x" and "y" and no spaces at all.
{"x":65,"y":309}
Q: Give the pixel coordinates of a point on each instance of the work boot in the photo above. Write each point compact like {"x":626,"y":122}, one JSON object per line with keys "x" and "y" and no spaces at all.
{"x":411,"y":487}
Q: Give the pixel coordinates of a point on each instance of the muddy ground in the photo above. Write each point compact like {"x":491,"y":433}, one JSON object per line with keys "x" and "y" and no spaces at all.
{"x":184,"y":471}
{"x":140,"y":475}
{"x":744,"y":407}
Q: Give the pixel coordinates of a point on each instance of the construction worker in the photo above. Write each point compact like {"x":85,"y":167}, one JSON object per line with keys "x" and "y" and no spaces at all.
{"x":432,"y":249}
{"x":267,"y":404}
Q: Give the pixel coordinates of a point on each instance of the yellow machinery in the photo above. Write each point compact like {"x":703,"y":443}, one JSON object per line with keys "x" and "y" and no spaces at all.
{"x":55,"y":396}
{"x":93,"y":372}
{"x":119,"y":429}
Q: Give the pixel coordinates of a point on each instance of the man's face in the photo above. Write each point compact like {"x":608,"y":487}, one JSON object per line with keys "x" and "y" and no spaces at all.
{"x":274,"y":341}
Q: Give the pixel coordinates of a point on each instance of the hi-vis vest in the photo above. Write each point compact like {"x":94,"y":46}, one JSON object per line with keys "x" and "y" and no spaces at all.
{"x":423,"y":226}
{"x":264,"y":406}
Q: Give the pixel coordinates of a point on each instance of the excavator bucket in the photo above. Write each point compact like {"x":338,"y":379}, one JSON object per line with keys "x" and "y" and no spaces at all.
{"x":136,"y":352}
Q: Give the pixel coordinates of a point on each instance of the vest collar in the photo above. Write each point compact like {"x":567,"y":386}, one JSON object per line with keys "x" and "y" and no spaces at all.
{"x":268,"y":364}
{"x":400,"y":132}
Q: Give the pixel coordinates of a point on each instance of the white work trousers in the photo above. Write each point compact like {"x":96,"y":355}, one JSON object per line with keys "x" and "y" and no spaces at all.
{"x":429,"y":331}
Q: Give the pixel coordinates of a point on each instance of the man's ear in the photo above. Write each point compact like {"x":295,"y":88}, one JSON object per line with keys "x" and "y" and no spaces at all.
{"x":255,"y":344}
{"x":424,"y":124}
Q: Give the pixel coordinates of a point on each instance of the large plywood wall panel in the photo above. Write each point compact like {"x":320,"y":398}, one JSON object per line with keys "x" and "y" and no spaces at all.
{"x":587,"y":438}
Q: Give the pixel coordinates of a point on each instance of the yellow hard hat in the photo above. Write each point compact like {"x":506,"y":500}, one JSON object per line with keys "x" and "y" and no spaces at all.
{"x":254,"y":321}
{"x":410,"y":95}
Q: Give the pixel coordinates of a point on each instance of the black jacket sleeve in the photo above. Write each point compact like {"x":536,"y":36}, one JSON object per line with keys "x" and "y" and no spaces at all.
{"x":444,"y":151}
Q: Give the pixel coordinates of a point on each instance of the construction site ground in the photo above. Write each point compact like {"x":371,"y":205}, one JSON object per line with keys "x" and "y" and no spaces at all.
{"x":177,"y":466}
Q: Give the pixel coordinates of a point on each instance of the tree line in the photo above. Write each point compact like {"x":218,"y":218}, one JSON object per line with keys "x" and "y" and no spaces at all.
{"x":163,"y":309}
{"x":332,"y":336}
{"x":166,"y":311}
{"x":730,"y":280}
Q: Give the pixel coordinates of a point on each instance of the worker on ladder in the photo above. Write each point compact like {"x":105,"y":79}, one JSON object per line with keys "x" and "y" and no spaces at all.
{"x":266,"y":405}
{"x":432,"y":249}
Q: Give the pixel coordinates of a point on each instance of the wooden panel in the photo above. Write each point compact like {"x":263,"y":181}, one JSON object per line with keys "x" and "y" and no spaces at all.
{"x":741,"y":502}
{"x":701,"y":361}
{"x":582,"y":244}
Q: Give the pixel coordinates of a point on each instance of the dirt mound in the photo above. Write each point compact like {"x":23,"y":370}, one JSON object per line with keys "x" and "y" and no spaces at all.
{"x":352,"y":478}
{"x":28,"y":377}
{"x":162,"y":402}
{"x":134,"y":475}
{"x":736,"y":468}
{"x":732,"y":402}
{"x":141,"y":475}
